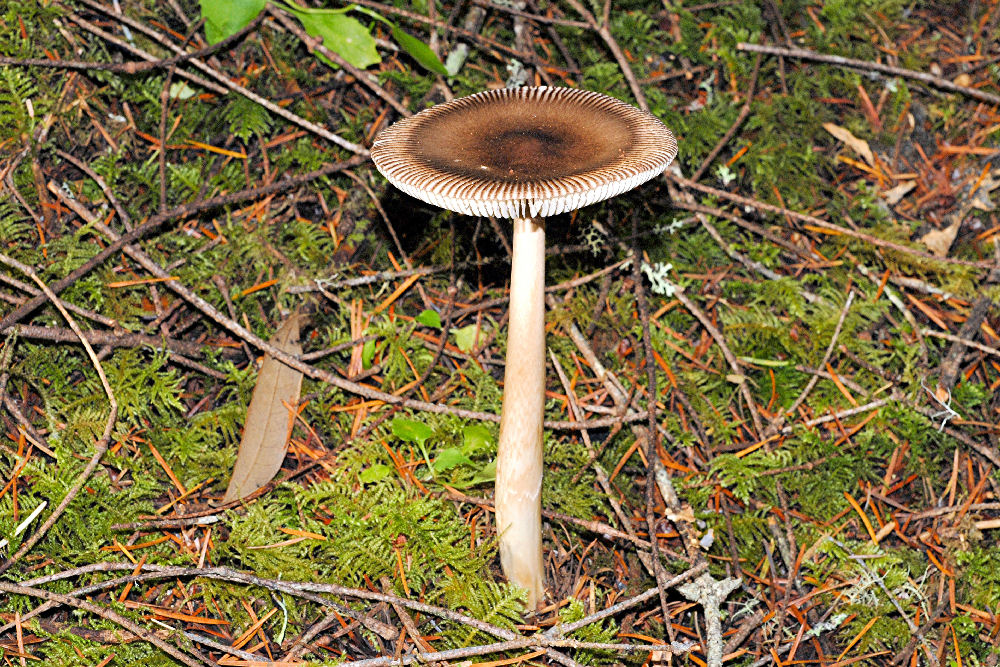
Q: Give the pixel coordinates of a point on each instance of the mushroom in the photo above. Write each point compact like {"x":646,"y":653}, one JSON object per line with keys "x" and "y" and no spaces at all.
{"x":523,"y":153}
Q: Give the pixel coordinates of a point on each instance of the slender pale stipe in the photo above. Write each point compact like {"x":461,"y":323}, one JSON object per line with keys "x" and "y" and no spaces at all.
{"x":519,"y":455}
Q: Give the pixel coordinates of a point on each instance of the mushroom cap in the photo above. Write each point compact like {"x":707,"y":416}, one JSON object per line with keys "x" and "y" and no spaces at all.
{"x":523,"y":152}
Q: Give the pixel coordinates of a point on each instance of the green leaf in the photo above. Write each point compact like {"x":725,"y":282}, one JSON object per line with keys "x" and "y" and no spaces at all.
{"x":411,"y":431}
{"x":476,"y":437}
{"x":180,"y":90}
{"x":344,"y":35}
{"x":429,"y":318}
{"x":374,"y":473}
{"x":367,"y":353}
{"x":487,"y":475}
{"x":466,"y":338}
{"x":227,"y":17}
{"x":419,"y":51}
{"x":450,"y":458}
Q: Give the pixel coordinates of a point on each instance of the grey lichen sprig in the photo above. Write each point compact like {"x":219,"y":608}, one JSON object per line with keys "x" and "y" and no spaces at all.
{"x":710,"y":593}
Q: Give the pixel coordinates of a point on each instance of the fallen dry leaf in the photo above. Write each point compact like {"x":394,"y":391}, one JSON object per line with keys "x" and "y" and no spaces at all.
{"x":893,"y":196}
{"x":939,"y":241}
{"x":269,"y":418}
{"x":859,"y":146}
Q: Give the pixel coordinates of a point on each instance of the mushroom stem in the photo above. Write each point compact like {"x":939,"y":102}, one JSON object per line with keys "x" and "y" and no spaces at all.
{"x":518,"y":494}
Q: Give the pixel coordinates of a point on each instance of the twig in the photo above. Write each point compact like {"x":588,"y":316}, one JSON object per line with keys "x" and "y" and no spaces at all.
{"x":100,"y":447}
{"x":832,"y":417}
{"x":743,"y":631}
{"x":512,"y":645}
{"x":379,"y":628}
{"x":779,"y":419}
{"x":316,"y":44}
{"x":219,"y":646}
{"x":602,"y":476}
{"x":894,"y":299}
{"x":301,"y":644}
{"x":156,"y":572}
{"x":102,"y":184}
{"x":563,"y":629}
{"x":903,"y":657}
{"x":930,"y":79}
{"x":107,"y":614}
{"x":746,"y":261}
{"x":161,"y":155}
{"x":745,"y":224}
{"x":953,"y":360}
{"x":225,"y":81}
{"x":742,"y":116}
{"x":479,"y":40}
{"x":652,"y":434}
{"x":538,"y":18}
{"x":958,"y":340}
{"x":319,"y":284}
{"x":71,"y":307}
{"x":812,"y":220}
{"x":157,"y":220}
{"x":406,"y":619}
{"x":720,"y":340}
{"x":116,"y":339}
{"x":601,"y":28}
{"x":30,"y":434}
{"x":145,"y":55}
{"x":392,"y":232}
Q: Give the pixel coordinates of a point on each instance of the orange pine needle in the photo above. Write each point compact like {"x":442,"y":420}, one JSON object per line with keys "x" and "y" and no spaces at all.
{"x":966,"y":150}
{"x":175,"y":615}
{"x":823,"y":230}
{"x":740,"y":153}
{"x":979,"y":181}
{"x":864,"y":519}
{"x":840,"y":385}
{"x":857,"y":638}
{"x":252,"y":630}
{"x":939,"y":565}
{"x":258,"y":287}
{"x":881,"y":285}
{"x":757,"y":445}
{"x":167,"y":469}
{"x":303,"y":533}
{"x":214,"y":149}
{"x":958,"y":652}
{"x":666,"y":368}
{"x":353,"y":407}
{"x":402,"y":573}
{"x":184,"y":495}
{"x":134,"y":547}
{"x":141,"y":281}
{"x":928,"y":311}
{"x":396,"y":293}
{"x":136,"y":570}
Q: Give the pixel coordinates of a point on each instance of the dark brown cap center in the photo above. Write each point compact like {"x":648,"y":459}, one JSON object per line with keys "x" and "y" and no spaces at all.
{"x":517,"y":144}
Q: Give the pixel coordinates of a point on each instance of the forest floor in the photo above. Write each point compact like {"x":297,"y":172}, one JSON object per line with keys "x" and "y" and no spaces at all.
{"x":772,"y":371}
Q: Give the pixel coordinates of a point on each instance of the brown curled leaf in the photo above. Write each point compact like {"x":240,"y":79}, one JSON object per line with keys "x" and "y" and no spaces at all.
{"x":270,"y":416}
